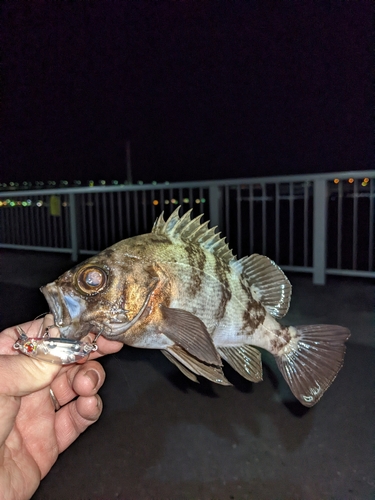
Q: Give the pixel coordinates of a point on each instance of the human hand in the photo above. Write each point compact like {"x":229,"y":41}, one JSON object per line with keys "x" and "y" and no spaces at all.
{"x":32,"y":433}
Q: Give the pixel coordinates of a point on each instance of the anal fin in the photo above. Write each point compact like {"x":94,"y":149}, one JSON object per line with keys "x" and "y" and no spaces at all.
{"x":245,"y":359}
{"x":180,"y":366}
{"x":312,"y":364}
{"x":213,"y":373}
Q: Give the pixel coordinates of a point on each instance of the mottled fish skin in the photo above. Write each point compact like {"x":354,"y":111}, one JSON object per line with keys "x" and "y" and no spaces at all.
{"x":181,"y":290}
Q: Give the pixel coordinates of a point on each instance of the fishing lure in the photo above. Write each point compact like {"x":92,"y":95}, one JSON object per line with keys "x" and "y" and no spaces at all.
{"x":53,"y":349}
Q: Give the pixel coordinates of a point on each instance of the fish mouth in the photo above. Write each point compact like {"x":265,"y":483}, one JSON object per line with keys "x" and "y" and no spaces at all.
{"x":54,"y":301}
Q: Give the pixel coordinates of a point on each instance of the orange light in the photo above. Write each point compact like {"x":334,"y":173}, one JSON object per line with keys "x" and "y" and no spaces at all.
{"x":351,"y":180}
{"x":155,"y":202}
{"x":366,"y":179}
{"x":336,"y":181}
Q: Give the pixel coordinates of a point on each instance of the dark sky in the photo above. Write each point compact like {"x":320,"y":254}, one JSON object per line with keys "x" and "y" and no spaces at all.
{"x":204,"y":89}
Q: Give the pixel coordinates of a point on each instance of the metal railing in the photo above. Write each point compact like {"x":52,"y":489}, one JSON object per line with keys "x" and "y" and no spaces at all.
{"x":320,"y":224}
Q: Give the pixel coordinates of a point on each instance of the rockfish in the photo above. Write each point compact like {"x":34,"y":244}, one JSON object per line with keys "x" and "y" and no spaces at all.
{"x":180,"y":289}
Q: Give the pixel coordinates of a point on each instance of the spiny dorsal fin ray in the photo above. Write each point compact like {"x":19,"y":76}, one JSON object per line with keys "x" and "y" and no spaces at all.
{"x":186,"y":229}
{"x":268,"y":283}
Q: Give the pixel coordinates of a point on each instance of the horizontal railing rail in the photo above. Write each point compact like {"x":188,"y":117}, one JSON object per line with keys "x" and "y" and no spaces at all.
{"x":319,"y":223}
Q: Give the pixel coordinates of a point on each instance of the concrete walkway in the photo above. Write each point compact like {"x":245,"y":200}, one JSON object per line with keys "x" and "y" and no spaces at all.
{"x":162,"y":437}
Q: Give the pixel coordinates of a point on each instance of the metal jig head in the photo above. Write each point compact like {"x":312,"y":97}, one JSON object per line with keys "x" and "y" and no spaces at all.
{"x":53,"y":349}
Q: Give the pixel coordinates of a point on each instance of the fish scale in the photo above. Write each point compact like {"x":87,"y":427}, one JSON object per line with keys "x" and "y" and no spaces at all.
{"x":180,"y":289}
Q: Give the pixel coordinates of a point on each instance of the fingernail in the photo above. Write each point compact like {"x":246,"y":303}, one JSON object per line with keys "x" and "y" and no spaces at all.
{"x":93,"y":376}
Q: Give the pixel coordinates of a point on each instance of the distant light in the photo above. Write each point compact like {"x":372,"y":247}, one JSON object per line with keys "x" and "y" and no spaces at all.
{"x":39,"y":203}
{"x":166,"y":182}
{"x":336,"y":181}
{"x":364,"y":184}
{"x":19,"y":203}
{"x":174,"y":201}
{"x":1,"y":203}
{"x":166,"y":202}
{"x":25,"y":183}
{"x":29,"y":202}
{"x":11,"y":184}
{"x":140,"y":183}
{"x":186,"y":200}
{"x":12,"y":204}
{"x":155,"y":202}
{"x":78,"y":183}
{"x":115,"y":183}
{"x":197,"y":200}
{"x":64,"y":204}
{"x":351,"y":180}
{"x":24,"y":203}
{"x":203,"y":200}
{"x":91,"y":183}
{"x":366,"y":180}
{"x":154,"y":183}
{"x":102,"y":183}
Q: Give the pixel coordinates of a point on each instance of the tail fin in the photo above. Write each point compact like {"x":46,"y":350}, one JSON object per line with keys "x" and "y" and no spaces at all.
{"x":312,"y":366}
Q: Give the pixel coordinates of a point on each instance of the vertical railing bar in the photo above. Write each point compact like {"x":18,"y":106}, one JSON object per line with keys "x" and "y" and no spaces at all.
{"x":171,"y":197}
{"x":162,"y":204}
{"x":226,"y":198}
{"x":153,"y":197}
{"x":112,"y":217}
{"x":105,"y":219}
{"x":355,"y":224}
{"x":119,"y":211}
{"x":144,"y":211}
{"x":54,"y":224}
{"x":320,"y":232}
{"x":264,"y":222}
{"x":73,"y":226}
{"x":90,"y":229}
{"x":43,"y":218}
{"x":127,"y":205}
{"x":180,"y":200}
{"x":339,"y":226}
{"x":277,"y":220}
{"x":191,"y":199}
{"x":98,"y":230}
{"x":9,"y":223}
{"x":22,"y":224}
{"x":291,"y":222}
{"x":83,"y":205}
{"x":251,"y":210}
{"x":61,"y":234}
{"x":200,"y":200}
{"x":371,"y":222}
{"x":305,"y":223}
{"x":27,"y":221}
{"x":136,"y":211}
{"x":238,"y":207}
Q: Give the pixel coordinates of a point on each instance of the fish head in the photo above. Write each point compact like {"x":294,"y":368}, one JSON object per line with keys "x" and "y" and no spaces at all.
{"x":101,"y":296}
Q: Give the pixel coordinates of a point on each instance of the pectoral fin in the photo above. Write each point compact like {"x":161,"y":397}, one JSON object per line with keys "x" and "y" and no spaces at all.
{"x":213,"y":373}
{"x":246,"y":360}
{"x":189,"y":332}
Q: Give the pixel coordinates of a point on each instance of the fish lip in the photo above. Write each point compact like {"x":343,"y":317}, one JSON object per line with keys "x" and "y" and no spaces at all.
{"x":51,"y":294}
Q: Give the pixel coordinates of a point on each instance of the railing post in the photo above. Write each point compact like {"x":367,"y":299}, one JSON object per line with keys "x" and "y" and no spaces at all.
{"x":320,"y":205}
{"x":73,"y":226}
{"x":214,"y":204}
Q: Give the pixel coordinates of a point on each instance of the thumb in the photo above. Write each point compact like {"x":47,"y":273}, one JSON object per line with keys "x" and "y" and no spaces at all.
{"x":19,"y":376}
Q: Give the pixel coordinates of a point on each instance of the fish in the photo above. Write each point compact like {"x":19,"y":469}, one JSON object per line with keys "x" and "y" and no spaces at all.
{"x":180,"y":289}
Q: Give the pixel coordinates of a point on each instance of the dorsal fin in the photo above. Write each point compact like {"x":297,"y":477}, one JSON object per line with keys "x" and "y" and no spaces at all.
{"x":193,"y":230}
{"x":268,"y":283}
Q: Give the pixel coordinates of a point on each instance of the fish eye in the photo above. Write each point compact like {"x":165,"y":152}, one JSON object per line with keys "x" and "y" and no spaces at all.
{"x":91,"y":280}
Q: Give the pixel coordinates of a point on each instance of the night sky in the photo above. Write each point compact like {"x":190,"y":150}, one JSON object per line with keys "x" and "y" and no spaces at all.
{"x":203,"y":89}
